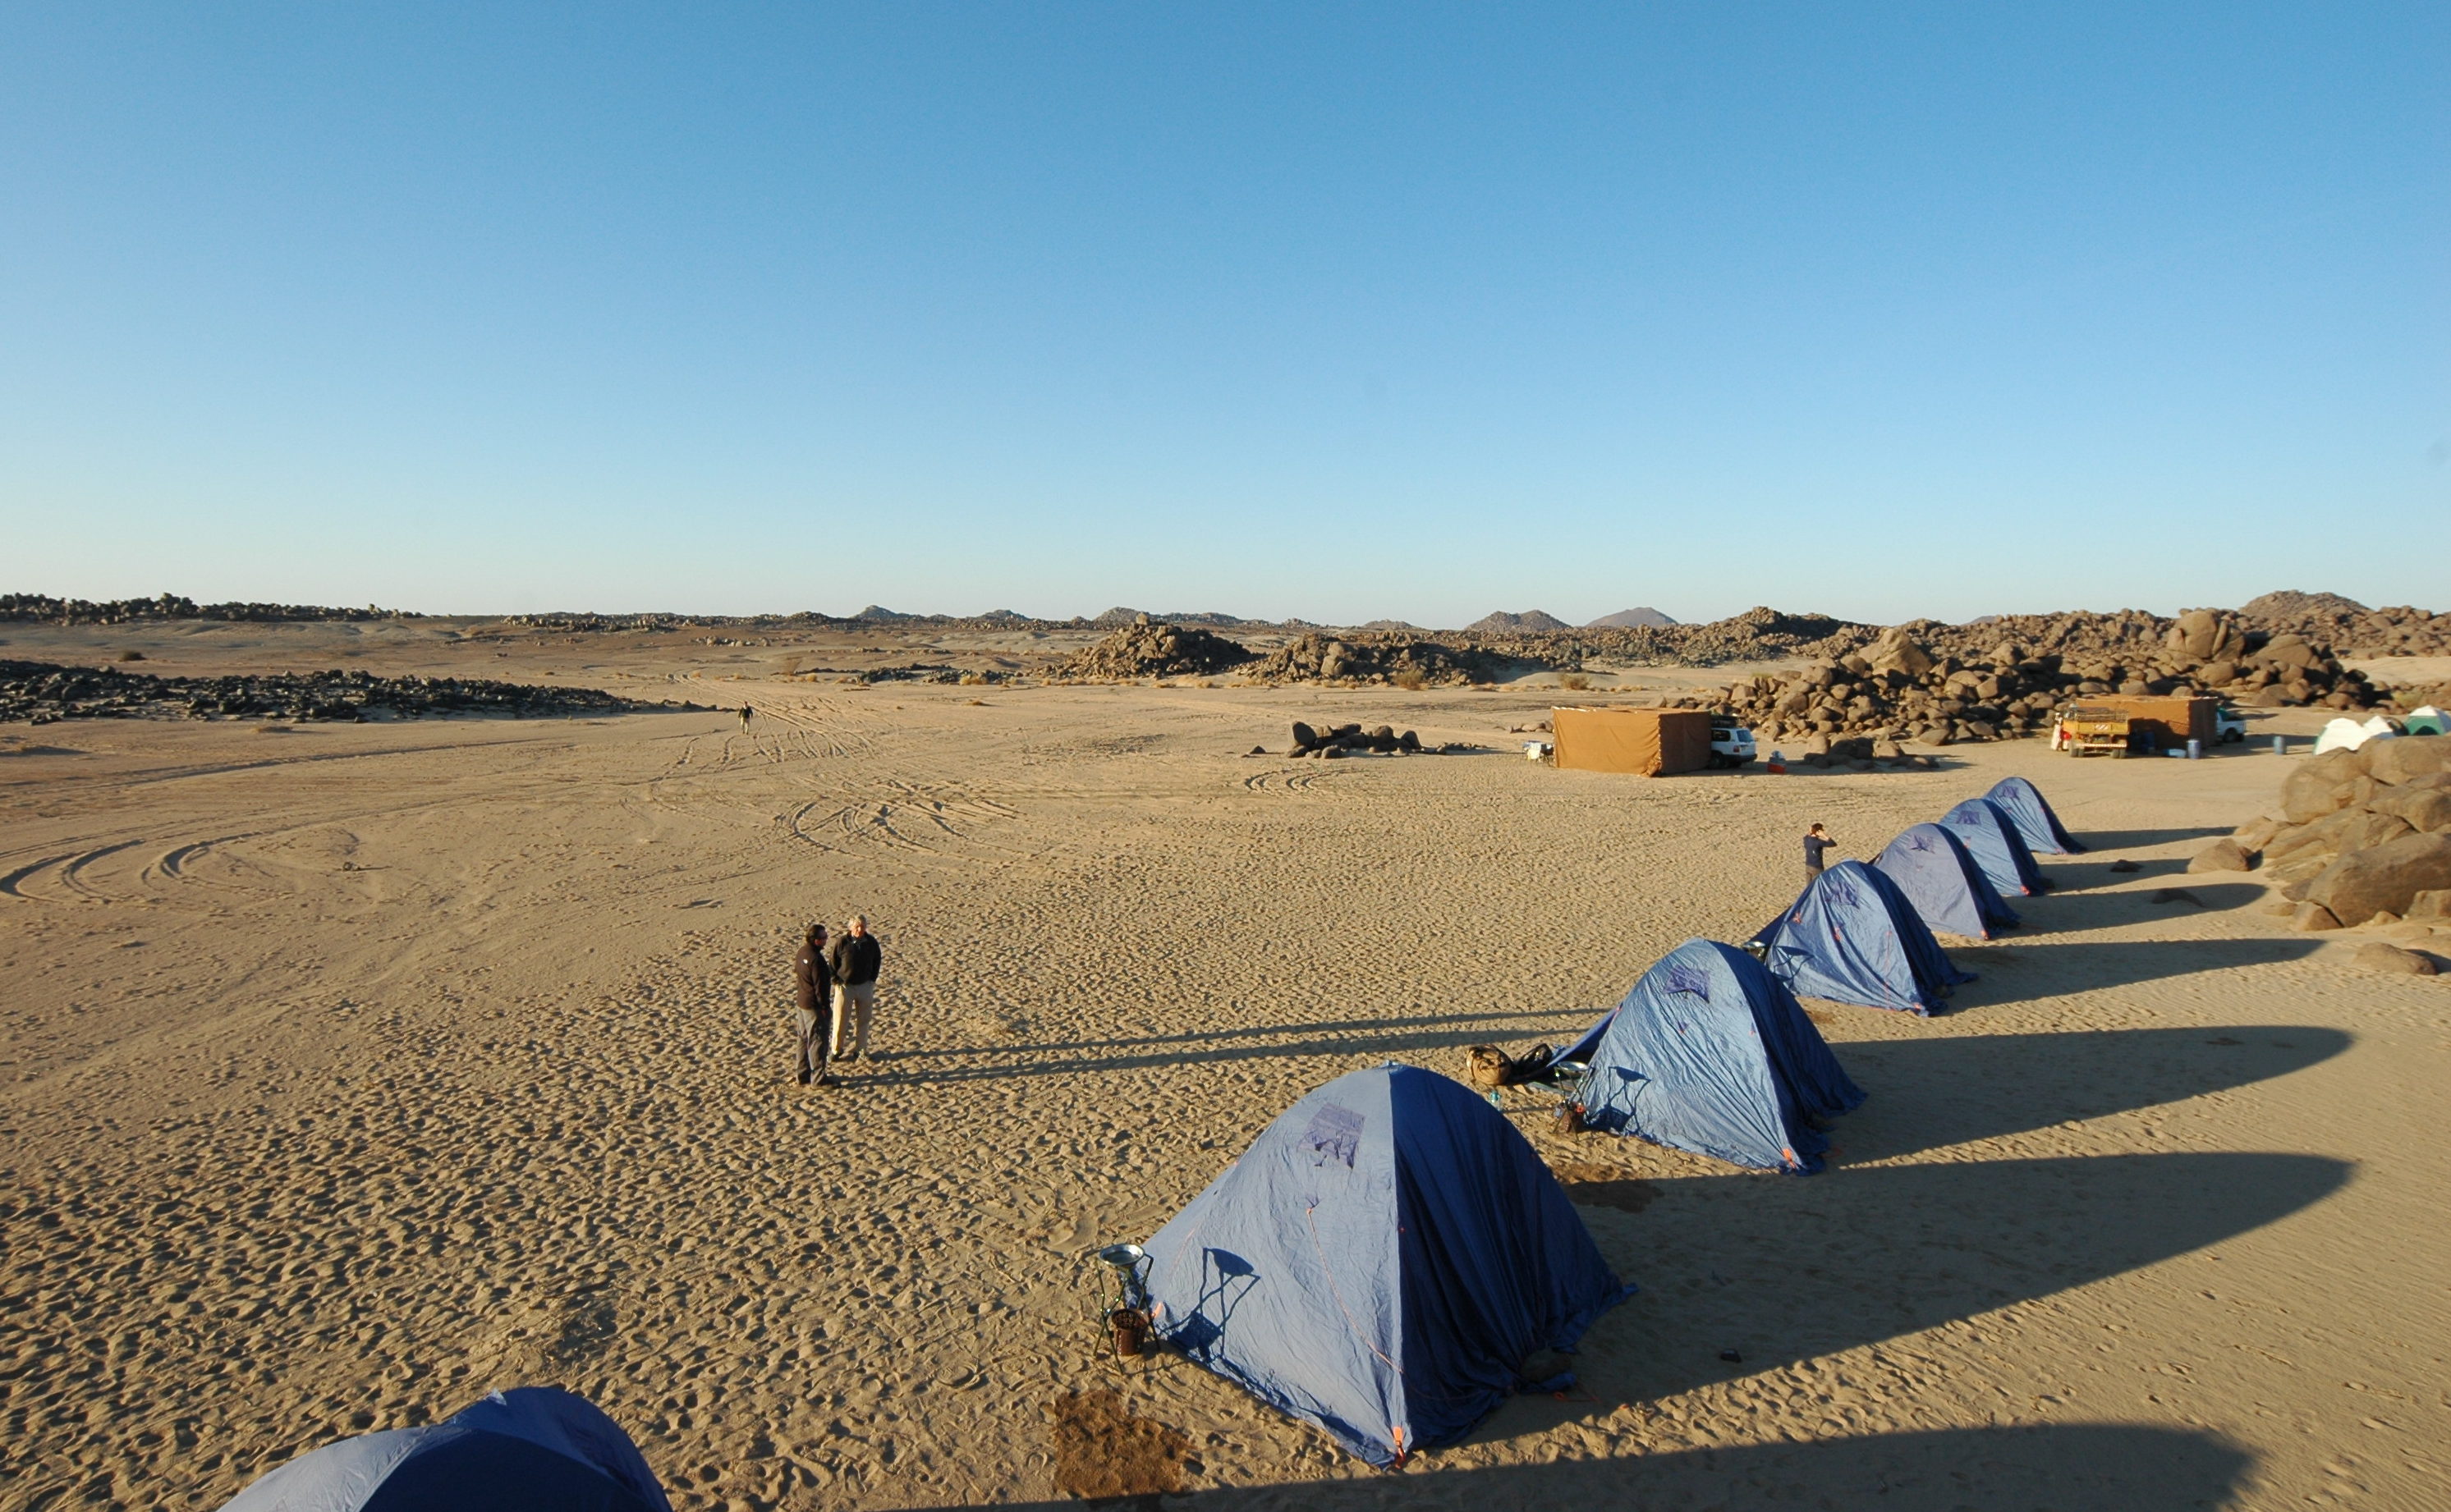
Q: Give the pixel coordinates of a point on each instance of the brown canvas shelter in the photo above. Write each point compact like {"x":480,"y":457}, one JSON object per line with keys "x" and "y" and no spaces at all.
{"x":1651,"y":742}
{"x":2167,"y":721}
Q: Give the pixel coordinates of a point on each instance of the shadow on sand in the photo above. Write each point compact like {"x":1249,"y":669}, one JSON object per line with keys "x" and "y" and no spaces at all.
{"x":1784,"y":1270}
{"x":2098,"y":843}
{"x":2098,"y":907}
{"x":1342,"y":1036}
{"x":1929,"y":1094}
{"x":2014,"y":970}
{"x":2103,"y":1468}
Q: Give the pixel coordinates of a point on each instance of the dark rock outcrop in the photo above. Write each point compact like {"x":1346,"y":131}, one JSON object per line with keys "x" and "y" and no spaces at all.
{"x":1144,"y":649}
{"x":1377,"y":658}
{"x":43,"y":692}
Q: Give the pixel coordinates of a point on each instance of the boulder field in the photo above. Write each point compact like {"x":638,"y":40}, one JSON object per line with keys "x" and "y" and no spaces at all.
{"x":2362,"y":836}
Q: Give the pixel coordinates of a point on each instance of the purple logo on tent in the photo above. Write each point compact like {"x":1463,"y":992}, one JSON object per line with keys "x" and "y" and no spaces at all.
{"x":1335,"y":1133}
{"x":1841,"y":890}
{"x":1685,"y":978}
{"x":1918,"y":842}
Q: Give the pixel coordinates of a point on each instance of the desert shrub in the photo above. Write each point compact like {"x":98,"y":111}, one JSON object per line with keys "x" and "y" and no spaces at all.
{"x":1411,"y":679}
{"x":1573,"y":682}
{"x":131,"y":655}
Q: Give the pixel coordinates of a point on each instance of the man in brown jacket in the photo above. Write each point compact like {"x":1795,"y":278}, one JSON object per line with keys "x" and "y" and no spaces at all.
{"x":814,"y":976}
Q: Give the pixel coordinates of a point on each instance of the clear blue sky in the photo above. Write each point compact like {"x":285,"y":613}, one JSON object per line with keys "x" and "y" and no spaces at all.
{"x":1332,"y":311}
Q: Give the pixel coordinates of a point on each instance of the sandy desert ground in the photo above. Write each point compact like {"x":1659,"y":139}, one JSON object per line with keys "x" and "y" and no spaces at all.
{"x":348,"y":1071}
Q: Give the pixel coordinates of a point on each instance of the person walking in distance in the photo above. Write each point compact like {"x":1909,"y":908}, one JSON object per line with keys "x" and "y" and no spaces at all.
{"x":814,"y":976}
{"x":856,"y":958}
{"x":1815,"y":842}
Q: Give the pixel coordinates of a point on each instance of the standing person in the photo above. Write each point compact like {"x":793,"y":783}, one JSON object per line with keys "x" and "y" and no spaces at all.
{"x":814,"y":975}
{"x":857,"y":959}
{"x":745,"y":712}
{"x":1815,"y":842}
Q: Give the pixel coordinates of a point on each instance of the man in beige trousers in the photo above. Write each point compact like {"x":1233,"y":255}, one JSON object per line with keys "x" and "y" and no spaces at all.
{"x":856,"y":958}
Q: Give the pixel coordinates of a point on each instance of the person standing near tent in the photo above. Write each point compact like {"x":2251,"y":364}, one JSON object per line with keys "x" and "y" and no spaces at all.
{"x":814,"y":976}
{"x":856,"y":960}
{"x":1815,"y":842}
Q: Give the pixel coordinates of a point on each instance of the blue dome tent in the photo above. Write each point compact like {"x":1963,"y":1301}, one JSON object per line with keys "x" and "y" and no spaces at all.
{"x":1380,"y":1262}
{"x":1938,"y":876}
{"x":1710,"y":1053}
{"x":1852,"y":936}
{"x":1992,"y":837}
{"x":2023,"y":803}
{"x":532,"y":1449}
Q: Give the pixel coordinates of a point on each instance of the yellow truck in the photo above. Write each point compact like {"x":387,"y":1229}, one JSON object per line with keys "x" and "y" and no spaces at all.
{"x":2093,"y":729}
{"x":2142,"y":724}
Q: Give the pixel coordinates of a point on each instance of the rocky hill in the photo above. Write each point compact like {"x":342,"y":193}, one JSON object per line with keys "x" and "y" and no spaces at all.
{"x":1914,"y":682}
{"x":1147,"y":648}
{"x":1531,"y":622}
{"x":2293,"y":604}
{"x":1392,"y":657}
{"x":2399,"y":631}
{"x":1646,"y":618}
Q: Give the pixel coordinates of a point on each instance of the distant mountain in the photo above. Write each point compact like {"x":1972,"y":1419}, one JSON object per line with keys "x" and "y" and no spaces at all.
{"x":2291,"y":604}
{"x":879,"y":611}
{"x":1390,"y":624}
{"x":1645,"y":618}
{"x":1530,"y":621}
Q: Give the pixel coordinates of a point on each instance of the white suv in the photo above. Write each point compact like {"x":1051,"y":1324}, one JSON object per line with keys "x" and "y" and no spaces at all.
{"x":1732,"y":745}
{"x":2230,"y":726}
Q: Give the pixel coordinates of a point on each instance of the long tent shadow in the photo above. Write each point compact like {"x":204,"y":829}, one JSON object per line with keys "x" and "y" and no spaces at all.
{"x":1928,"y":1094}
{"x":2089,"y":907}
{"x":1781,"y":1271}
{"x":991,"y":1065}
{"x":1191,"y":1039}
{"x":2012,"y":970}
{"x":2099,"y":1466}
{"x":2103,"y":840}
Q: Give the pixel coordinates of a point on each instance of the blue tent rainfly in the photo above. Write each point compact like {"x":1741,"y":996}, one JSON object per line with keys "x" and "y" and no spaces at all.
{"x":2024,"y":805}
{"x":1852,"y":936}
{"x":533,"y":1449}
{"x":1934,"y":870}
{"x":1992,"y":837}
{"x":1380,"y":1262}
{"x":1712,"y":1053}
